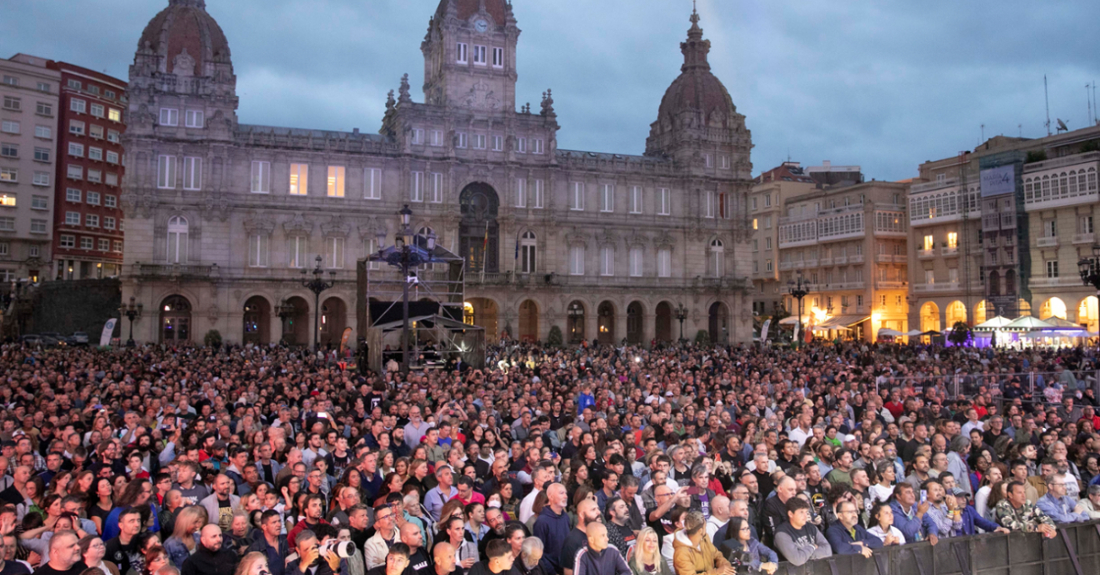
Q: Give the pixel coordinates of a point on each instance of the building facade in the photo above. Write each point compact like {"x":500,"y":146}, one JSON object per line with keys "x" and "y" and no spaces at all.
{"x":770,"y":191}
{"x":223,"y":218}
{"x":28,"y":142}
{"x":999,"y":230}
{"x":848,"y":242}
{"x":88,"y":222}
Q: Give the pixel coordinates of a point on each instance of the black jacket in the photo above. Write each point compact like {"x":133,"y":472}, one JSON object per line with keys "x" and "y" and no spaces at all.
{"x":207,"y":562}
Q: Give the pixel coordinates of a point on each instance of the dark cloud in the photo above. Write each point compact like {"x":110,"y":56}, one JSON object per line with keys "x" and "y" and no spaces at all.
{"x":885,"y":85}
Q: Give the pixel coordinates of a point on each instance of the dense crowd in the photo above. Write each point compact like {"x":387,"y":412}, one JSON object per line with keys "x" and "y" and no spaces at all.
{"x":578,"y":461}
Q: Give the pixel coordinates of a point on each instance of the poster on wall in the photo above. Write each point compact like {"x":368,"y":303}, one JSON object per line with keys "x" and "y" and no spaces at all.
{"x":998,"y":181}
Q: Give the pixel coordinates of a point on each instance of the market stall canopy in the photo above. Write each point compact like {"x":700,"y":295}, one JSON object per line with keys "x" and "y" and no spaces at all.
{"x":994,"y":323}
{"x":1027,"y":323}
{"x":793,"y":320}
{"x":930,"y":332}
{"x":844,"y":321}
{"x":913,"y":333}
{"x":1058,"y":322}
{"x":887,"y":332}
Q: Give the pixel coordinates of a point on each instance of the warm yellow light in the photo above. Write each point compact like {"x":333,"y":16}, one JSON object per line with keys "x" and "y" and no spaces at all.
{"x":820,"y":314}
{"x":876,"y":317}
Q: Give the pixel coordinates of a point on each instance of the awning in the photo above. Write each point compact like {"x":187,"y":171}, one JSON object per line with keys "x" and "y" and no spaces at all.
{"x":887,"y":332}
{"x":1026,"y":323}
{"x":994,"y":323}
{"x":843,"y":321}
{"x":793,"y":320}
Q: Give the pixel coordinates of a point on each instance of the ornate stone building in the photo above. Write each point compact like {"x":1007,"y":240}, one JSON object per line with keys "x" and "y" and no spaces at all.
{"x":223,"y":217}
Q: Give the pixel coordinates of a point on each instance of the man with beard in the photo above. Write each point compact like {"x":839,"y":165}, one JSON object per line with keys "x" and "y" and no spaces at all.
{"x":618,"y":529}
{"x":191,"y":491}
{"x":222,"y":505}
{"x":494,"y":518}
{"x":313,"y":516}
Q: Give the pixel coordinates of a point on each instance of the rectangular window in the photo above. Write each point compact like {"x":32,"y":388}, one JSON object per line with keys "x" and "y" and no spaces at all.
{"x":664,"y":202}
{"x":68,"y":241}
{"x":192,"y":173}
{"x":7,"y":200}
{"x":536,"y":146}
{"x":479,"y":141}
{"x":86,"y":243}
{"x":95,"y":131}
{"x":112,"y":157}
{"x":768,"y":243}
{"x":521,"y":193}
{"x":1050,"y":227}
{"x":9,"y":175}
{"x":98,"y":111}
{"x":43,"y":108}
{"x":43,"y":87}
{"x":769,"y":266}
{"x":109,"y":94}
{"x":521,"y":145}
{"x":74,"y":172}
{"x":93,"y":198}
{"x":576,"y":260}
{"x":76,"y":150}
{"x":635,"y":262}
{"x":416,"y":186}
{"x":72,"y":218}
{"x":114,"y":115}
{"x":953,"y":275}
{"x":78,"y":105}
{"x":724,"y":162}
{"x":9,"y":150}
{"x":9,"y":127}
{"x":372,"y":246}
{"x":104,"y":245}
{"x":1084,"y":223}
{"x":462,"y":53}
{"x":72,"y":195}
{"x":334,"y":253}
{"x":929,"y":243}
{"x":577,"y":203}
{"x":460,"y":140}
{"x":261,"y":177}
{"x":708,"y":204}
{"x":257,"y":251}
{"x":498,"y":143}
{"x":299,"y":179}
{"x":436,"y":190}
{"x":635,"y":199}
{"x":7,"y":224}
{"x":527,"y":256}
{"x":108,"y":223}
{"x":952,"y":239}
{"x":929,"y":277}
{"x":480,"y":54}
{"x":298,"y":250}
{"x":11,"y":80}
{"x":44,"y":132}
{"x":91,"y":220}
{"x":194,"y":119}
{"x":95,"y":154}
{"x":1052,"y":269}
{"x":498,"y":57}
{"x":538,"y":194}
{"x":664,"y":263}
{"x":169,"y":117}
{"x":335,"y":181}
{"x":40,"y":203}
{"x":372,"y":183}
{"x":118,"y":246}
{"x":436,"y":138}
{"x":12,"y":103}
{"x":607,"y":261}
{"x":113,"y":136}
{"x":418,"y":136}
{"x":607,"y":198}
{"x":166,"y":172}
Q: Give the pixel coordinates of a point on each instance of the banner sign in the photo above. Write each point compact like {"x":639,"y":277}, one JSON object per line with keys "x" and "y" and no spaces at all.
{"x":108,"y":330}
{"x":998,"y":181}
{"x":764,"y":330}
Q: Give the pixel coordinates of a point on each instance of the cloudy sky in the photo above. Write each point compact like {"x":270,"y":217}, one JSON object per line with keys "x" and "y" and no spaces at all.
{"x":883,"y":84}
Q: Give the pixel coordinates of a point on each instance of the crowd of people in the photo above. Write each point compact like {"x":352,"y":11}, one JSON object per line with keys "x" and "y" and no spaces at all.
{"x":268,"y":460}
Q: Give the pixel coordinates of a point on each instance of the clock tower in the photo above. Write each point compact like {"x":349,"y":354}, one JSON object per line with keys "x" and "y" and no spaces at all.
{"x":470,"y":56}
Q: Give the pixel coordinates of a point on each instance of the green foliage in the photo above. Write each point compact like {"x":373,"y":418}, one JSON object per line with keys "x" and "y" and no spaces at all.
{"x":1090,"y":146}
{"x":702,"y":338}
{"x":213,"y":338}
{"x":1039,"y":156}
{"x":960,"y":333}
{"x":554,"y":339}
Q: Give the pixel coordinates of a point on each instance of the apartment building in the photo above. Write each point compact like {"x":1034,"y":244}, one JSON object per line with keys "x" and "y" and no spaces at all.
{"x":848,"y":242}
{"x":28,"y":136}
{"x":769,"y":192}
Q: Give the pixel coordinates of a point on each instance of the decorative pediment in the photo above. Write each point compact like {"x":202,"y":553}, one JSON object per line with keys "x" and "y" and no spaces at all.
{"x":480,"y":97}
{"x":636,"y":240}
{"x":606,"y":238}
{"x":664,"y":240}
{"x":336,"y":227}
{"x":369,"y":229}
{"x":216,"y":206}
{"x":259,"y":224}
{"x":298,"y":225}
{"x":183,"y":64}
{"x":574,"y":237}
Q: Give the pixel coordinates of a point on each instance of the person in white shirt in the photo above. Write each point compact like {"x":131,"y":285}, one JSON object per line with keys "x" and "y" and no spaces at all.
{"x":539,"y":479}
{"x":719,"y":515}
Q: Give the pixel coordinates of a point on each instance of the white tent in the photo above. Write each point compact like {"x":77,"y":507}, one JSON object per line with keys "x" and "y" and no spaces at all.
{"x":994,"y":323}
{"x":1027,"y":323}
{"x":887,"y":332}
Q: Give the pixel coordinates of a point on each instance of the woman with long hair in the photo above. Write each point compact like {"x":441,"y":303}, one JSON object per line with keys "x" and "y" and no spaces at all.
{"x":137,"y":493}
{"x":385,"y":463}
{"x":417,"y":476}
{"x":882,"y":525}
{"x":36,"y":491}
{"x":645,"y":557}
{"x":155,"y":558}
{"x":253,"y":563}
{"x":60,"y":483}
{"x":509,"y":503}
{"x":102,"y":502}
{"x":82,"y":485}
{"x":887,"y":476}
{"x":992,"y":476}
{"x":578,"y":476}
{"x":740,"y":541}
{"x":184,"y":540}
{"x":92,"y":551}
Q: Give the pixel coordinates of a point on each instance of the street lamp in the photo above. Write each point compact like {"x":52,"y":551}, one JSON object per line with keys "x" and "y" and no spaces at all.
{"x":284,"y":310}
{"x":407,"y":255}
{"x":681,"y":314}
{"x":1089,"y":269}
{"x":798,"y":291}
{"x":132,"y":311}
{"x":317,"y":285}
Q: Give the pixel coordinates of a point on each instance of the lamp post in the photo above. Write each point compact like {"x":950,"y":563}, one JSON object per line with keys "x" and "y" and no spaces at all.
{"x":284,"y":310}
{"x":576,"y":313}
{"x":317,"y":285}
{"x":407,"y":256}
{"x":1089,"y":269}
{"x":681,"y":314}
{"x":798,"y":291}
{"x":132,"y":311}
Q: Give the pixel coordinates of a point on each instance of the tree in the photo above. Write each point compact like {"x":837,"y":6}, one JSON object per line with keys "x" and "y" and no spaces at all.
{"x":213,"y":338}
{"x":960,"y":333}
{"x":554,"y":339}
{"x":702,"y":339}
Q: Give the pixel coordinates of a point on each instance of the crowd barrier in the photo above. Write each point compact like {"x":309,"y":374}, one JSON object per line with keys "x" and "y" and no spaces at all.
{"x":1074,"y":551}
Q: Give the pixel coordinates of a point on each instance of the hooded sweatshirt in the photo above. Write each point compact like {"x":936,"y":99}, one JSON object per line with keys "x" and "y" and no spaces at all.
{"x":552,"y":528}
{"x":606,"y":562}
{"x":207,"y":562}
{"x":704,"y":558}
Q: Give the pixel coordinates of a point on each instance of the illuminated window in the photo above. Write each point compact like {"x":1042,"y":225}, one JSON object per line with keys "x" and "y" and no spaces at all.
{"x":335,"y":181}
{"x":7,"y":200}
{"x":929,"y":243}
{"x":755,"y":225}
{"x":299,"y":179}
{"x":952,"y":239}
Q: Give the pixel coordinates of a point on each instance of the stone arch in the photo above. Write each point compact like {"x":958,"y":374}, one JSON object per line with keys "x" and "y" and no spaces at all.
{"x":333,"y":320}
{"x":478,"y":205}
{"x":956,"y":312}
{"x":1053,"y":307}
{"x":528,"y":320}
{"x":605,"y":322}
{"x":485,"y":313}
{"x":663,"y":318}
{"x":635,"y":322}
{"x":718,"y":322}
{"x":175,"y":320}
{"x":1088,"y":314}
{"x":256,"y":320}
{"x":929,"y":317}
{"x":576,"y":313}
{"x":296,"y":327}
{"x":981,"y":312}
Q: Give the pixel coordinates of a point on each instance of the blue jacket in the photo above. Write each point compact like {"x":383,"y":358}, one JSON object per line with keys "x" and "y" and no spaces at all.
{"x":1060,"y":510}
{"x":606,"y":562}
{"x":110,"y":524}
{"x":552,"y":528}
{"x":759,"y":552}
{"x":913,"y":528}
{"x":844,"y":544}
{"x":971,"y":519}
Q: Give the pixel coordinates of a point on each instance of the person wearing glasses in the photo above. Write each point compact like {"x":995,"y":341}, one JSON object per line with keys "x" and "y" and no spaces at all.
{"x":385,"y":536}
{"x":1057,"y":504}
{"x":847,"y":536}
{"x":741,"y":543}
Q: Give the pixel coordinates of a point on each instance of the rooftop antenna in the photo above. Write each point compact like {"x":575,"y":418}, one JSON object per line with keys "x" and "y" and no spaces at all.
{"x":1094,"y":110}
{"x":1046,"y":96}
{"x":1020,"y":128}
{"x":1088,"y":100}
{"x":983,"y":132}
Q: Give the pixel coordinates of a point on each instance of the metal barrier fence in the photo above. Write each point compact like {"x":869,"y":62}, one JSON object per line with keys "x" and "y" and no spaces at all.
{"x":1074,"y":551}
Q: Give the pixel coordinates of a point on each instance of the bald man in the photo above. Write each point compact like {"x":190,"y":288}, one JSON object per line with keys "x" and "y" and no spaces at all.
{"x":552,"y":527}
{"x":65,"y":556}
{"x":444,"y":556}
{"x":209,"y":558}
{"x":719,"y":515}
{"x":775,"y":508}
{"x":588,"y":513}
{"x":597,"y":558}
{"x":419,"y":563}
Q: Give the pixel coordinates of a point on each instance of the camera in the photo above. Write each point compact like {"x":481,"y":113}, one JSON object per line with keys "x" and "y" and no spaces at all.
{"x":741,"y":561}
{"x":343,"y":549}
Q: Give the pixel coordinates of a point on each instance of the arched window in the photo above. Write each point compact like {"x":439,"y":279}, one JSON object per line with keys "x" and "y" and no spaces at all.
{"x":716,"y":258}
{"x":177,"y":240}
{"x":528,"y":245}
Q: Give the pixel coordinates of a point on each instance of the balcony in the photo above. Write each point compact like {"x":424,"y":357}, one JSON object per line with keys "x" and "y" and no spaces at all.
{"x":1084,"y":239}
{"x":1062,"y":281}
{"x":825,"y":261}
{"x":855,"y":259}
{"x":925,"y":254}
{"x":931,"y":288}
{"x":840,"y":260}
{"x":891,"y":284}
{"x":1008,"y":221}
{"x":787,"y":266}
{"x":1008,"y":240}
{"x":199,"y":271}
{"x":950,"y":252}
{"x":1046,"y":242}
{"x":810,"y":263}
{"x":884,"y":258}
{"x":841,"y":286}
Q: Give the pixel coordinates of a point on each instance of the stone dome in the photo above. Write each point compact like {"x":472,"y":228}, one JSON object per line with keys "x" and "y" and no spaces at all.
{"x":696,"y":97}
{"x":186,"y":38}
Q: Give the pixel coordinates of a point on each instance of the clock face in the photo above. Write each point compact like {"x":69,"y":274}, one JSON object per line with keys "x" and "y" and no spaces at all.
{"x":481,"y":25}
